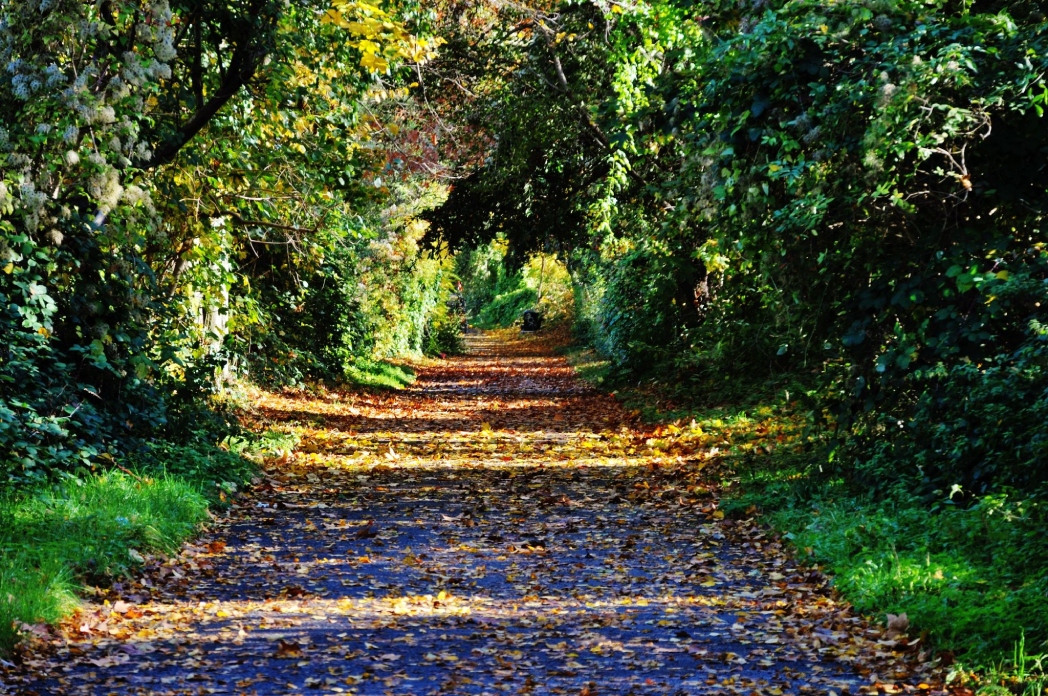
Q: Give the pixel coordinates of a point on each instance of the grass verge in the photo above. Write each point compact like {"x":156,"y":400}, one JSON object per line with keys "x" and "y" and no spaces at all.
{"x":378,"y":374}
{"x":973,"y":580}
{"x":84,"y":531}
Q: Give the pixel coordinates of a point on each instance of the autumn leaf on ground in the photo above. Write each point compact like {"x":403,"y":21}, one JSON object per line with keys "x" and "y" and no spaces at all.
{"x":476,"y":542}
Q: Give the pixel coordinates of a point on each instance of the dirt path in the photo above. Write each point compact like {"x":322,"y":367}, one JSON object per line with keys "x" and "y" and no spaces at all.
{"x":496,"y":529}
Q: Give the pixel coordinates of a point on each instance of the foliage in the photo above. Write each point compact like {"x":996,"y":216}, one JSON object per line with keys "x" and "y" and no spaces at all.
{"x":547,"y":275}
{"x":444,"y":331}
{"x":171,"y":178}
{"x":484,"y":275}
{"x":212,"y":470}
{"x":972,"y":429}
{"x":790,"y":186}
{"x":497,"y":297}
{"x":373,"y":299}
{"x":506,"y":309}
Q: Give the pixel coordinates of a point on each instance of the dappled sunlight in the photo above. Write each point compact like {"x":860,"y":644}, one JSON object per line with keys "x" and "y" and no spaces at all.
{"x":515,"y":536}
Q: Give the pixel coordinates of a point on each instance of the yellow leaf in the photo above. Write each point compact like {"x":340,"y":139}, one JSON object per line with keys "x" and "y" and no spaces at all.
{"x":1002,"y":275}
{"x":366,"y":46}
{"x":370,"y":9}
{"x":718,"y":515}
{"x":362,"y":28}
{"x":333,"y":17}
{"x":373,"y":62}
{"x":9,"y":268}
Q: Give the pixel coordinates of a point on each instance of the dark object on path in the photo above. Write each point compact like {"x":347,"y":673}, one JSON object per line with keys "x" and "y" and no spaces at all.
{"x":532,"y":321}
{"x":368,"y":531}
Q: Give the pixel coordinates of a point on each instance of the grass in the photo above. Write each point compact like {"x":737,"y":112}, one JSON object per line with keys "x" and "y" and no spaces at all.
{"x":379,"y":374}
{"x":975,"y":579}
{"x":91,"y":530}
{"x":95,"y":528}
{"x":52,"y":541}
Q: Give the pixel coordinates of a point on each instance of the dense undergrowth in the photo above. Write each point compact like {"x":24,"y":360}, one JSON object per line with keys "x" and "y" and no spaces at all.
{"x":157,"y":246}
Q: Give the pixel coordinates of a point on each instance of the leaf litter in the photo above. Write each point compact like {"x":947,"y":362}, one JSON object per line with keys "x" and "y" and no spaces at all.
{"x":498,"y":528}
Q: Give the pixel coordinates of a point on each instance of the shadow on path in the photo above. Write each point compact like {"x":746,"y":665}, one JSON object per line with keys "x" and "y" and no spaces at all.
{"x":496,"y":529}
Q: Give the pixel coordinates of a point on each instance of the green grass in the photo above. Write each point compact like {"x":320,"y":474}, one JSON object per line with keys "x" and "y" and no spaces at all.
{"x":54,"y":540}
{"x":972,"y":580}
{"x":378,"y":374}
{"x":86,"y":531}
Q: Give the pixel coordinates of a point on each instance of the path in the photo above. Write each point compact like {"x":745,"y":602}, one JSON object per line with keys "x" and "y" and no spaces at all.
{"x":496,"y":529}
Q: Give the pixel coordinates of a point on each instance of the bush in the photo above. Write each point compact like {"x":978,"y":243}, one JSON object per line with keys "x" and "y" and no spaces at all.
{"x":376,"y":299}
{"x":966,"y":431}
{"x":209,"y":469}
{"x":444,"y":334}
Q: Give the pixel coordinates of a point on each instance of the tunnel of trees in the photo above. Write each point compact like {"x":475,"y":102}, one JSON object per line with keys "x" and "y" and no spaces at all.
{"x":842,"y":202}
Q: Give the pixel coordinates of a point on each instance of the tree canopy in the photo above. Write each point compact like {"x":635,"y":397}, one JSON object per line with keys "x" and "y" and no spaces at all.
{"x":854,"y":190}
{"x":851,"y":191}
